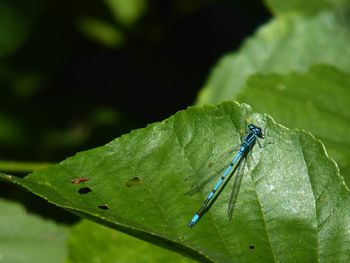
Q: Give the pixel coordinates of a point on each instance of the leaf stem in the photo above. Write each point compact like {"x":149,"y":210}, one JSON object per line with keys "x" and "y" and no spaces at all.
{"x":16,"y":166}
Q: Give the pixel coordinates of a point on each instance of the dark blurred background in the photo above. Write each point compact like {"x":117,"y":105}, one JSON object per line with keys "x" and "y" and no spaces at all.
{"x":81,"y":73}
{"x":63,"y":91}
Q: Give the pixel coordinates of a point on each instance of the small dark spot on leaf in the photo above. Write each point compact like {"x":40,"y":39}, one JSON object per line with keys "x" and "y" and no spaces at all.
{"x":134,"y":181}
{"x":103,"y":207}
{"x":251,"y":247}
{"x":79,"y":180}
{"x":84,"y":190}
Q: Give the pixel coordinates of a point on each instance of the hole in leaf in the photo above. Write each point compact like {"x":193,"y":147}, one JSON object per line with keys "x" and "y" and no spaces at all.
{"x":134,"y":181}
{"x":84,"y":190}
{"x":79,"y":180}
{"x":251,"y":247}
{"x":103,"y":207}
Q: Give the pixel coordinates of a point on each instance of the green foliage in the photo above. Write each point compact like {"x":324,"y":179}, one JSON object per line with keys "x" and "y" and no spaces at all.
{"x":111,"y":34}
{"x":112,"y":246}
{"x":286,"y":43}
{"x":291,"y":189}
{"x":305,"y":7}
{"x":15,"y":23}
{"x":27,"y":238}
{"x":127,"y":12}
{"x":308,"y":101}
{"x":264,"y":73}
{"x":293,"y":205}
{"x":100,"y":31}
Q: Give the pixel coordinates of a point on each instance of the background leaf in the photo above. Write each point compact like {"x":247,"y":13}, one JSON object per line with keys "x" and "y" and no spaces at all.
{"x":287,"y":43}
{"x":15,"y":23}
{"x":305,"y":7}
{"x":91,"y":242}
{"x":102,"y":32}
{"x":127,"y":12}
{"x":28,"y":238}
{"x":292,"y":206}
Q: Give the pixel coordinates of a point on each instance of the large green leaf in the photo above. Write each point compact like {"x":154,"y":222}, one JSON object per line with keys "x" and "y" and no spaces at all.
{"x":317,"y":101}
{"x":90,"y":242}
{"x":26,"y":238}
{"x":293,"y":206}
{"x":290,"y":42}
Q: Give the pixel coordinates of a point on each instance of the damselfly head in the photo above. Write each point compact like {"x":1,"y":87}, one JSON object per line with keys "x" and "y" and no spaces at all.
{"x":256,"y":130}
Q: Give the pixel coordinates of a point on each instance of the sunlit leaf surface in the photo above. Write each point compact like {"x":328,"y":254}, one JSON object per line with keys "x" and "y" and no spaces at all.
{"x":293,"y":206}
{"x":317,"y":101}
